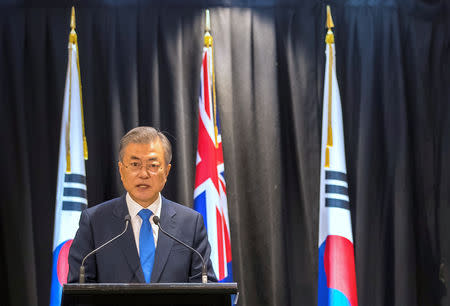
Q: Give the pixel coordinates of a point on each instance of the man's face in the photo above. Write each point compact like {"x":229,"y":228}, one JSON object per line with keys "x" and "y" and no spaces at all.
{"x":143,"y":171}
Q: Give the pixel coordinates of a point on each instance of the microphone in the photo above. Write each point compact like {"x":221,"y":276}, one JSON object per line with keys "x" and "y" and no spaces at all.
{"x":204,"y":274}
{"x":82,"y":268}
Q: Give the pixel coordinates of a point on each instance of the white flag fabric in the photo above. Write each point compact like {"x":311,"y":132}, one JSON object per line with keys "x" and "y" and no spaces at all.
{"x":337,"y":281}
{"x":71,"y":193}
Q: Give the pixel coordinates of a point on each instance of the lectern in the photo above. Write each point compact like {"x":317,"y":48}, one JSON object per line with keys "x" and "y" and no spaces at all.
{"x":211,"y":294}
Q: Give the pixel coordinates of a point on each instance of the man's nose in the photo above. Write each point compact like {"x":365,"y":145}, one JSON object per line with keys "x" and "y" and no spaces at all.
{"x":143,"y":172}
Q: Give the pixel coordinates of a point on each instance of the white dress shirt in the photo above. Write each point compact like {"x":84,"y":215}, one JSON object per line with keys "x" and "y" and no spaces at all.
{"x":134,"y":208}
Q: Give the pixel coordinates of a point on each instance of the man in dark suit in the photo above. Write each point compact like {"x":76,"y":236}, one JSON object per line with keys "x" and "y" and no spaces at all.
{"x":143,"y":253}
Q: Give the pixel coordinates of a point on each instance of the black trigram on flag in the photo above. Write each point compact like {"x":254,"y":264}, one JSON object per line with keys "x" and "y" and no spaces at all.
{"x":336,"y":189}
{"x":75,"y":195}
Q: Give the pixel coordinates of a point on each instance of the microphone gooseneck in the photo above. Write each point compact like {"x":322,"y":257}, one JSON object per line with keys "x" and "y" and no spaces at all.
{"x":82,"y":278}
{"x":204,"y":273}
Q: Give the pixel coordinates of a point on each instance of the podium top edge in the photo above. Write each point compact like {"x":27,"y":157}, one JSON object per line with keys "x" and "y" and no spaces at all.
{"x":154,"y":288}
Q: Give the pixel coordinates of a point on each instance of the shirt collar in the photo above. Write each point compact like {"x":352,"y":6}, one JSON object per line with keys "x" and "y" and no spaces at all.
{"x":134,"y":208}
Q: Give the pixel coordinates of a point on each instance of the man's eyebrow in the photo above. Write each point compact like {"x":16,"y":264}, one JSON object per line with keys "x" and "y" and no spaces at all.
{"x":148,"y":159}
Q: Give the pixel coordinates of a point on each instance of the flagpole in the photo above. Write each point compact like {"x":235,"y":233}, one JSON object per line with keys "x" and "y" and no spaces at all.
{"x":208,"y":40}
{"x":329,"y":39}
{"x":73,"y":39}
{"x":210,"y":188}
{"x":337,"y":273}
{"x":71,"y":191}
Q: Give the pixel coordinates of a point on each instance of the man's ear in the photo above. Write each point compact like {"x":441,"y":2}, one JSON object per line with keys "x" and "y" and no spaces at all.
{"x":168,"y":169}
{"x":120,"y":165}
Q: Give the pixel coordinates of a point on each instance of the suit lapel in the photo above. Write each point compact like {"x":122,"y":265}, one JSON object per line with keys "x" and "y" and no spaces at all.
{"x":164,"y":243}
{"x":127,"y":244}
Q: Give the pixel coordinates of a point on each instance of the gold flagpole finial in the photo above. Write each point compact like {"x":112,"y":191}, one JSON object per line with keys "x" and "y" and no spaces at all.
{"x":330,"y":23}
{"x":72,"y":19}
{"x":208,"y":38}
{"x":329,"y":39}
{"x":73,"y":34}
{"x":207,"y":22}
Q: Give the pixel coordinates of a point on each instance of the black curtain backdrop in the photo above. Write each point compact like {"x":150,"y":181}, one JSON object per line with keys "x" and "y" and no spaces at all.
{"x":140,"y":65}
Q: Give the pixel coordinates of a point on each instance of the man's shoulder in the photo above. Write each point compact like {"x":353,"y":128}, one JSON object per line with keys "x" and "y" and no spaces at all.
{"x":105,"y":206}
{"x":179,"y":208}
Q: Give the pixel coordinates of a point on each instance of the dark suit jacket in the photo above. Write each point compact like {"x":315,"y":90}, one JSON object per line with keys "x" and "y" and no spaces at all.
{"x":119,"y":261}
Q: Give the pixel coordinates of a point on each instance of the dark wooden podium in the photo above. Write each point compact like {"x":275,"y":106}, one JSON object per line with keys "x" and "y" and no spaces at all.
{"x":211,"y":294}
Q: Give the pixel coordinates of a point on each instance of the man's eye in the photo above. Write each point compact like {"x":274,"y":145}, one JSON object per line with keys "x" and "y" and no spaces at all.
{"x":135,"y":164}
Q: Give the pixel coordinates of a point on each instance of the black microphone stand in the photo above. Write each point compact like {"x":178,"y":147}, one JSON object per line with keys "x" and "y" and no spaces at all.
{"x":82,"y":278}
{"x":204,"y":272}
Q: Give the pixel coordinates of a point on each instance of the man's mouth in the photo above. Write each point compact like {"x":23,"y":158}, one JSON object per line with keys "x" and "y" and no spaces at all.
{"x":143,"y":186}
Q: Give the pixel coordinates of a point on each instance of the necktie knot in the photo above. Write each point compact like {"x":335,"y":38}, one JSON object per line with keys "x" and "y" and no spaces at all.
{"x":145,"y":214}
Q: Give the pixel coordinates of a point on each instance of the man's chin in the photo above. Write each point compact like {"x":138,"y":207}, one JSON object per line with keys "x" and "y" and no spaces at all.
{"x":143,"y":199}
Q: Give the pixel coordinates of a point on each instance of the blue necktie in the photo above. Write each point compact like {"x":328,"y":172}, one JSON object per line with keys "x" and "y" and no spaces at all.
{"x":146,"y":244}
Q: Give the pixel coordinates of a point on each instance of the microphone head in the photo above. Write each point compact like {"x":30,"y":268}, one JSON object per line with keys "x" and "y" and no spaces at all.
{"x":127,"y":218}
{"x":156,"y":220}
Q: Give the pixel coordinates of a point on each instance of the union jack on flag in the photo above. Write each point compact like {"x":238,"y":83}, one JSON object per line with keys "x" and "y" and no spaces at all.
{"x":210,"y":197}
